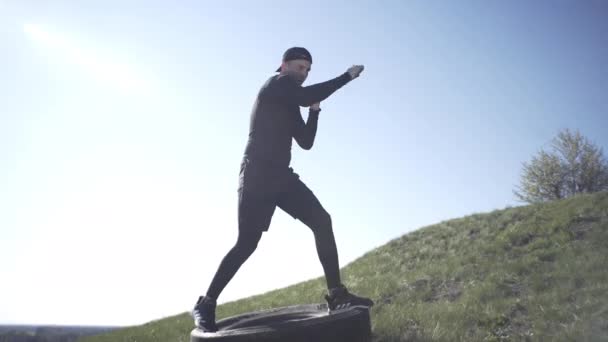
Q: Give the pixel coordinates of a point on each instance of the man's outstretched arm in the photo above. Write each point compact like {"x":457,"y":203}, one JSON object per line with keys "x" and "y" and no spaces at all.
{"x":289,"y":91}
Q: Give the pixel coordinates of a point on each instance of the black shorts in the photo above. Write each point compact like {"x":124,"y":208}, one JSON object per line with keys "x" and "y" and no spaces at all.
{"x":263,"y":187}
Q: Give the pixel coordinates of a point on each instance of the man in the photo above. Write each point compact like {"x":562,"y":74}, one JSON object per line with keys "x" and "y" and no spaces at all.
{"x":266,"y":180}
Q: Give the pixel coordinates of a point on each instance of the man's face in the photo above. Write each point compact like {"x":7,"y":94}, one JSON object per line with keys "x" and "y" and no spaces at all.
{"x":298,"y":69}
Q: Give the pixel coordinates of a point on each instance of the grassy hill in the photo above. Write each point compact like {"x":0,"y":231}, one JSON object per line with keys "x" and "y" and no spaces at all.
{"x":535,"y":273}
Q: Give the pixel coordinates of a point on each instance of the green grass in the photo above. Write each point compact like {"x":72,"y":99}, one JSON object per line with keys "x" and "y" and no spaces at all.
{"x":529,"y":273}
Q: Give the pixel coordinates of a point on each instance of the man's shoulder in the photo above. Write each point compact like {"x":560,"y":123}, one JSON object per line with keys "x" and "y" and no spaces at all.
{"x":270,"y":81}
{"x":276,"y":84}
{"x":282,"y":79}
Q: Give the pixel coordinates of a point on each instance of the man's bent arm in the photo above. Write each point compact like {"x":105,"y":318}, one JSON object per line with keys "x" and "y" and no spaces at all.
{"x":289,"y":91}
{"x":305,"y":132}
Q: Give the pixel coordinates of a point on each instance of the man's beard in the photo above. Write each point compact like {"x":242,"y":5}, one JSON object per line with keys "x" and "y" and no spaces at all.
{"x":297,"y":78}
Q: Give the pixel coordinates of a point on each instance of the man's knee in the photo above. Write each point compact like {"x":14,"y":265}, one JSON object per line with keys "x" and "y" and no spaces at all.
{"x":321,"y":222}
{"x":248,"y":242}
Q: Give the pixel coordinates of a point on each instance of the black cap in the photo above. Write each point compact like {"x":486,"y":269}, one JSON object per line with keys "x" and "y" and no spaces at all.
{"x":296,"y":53}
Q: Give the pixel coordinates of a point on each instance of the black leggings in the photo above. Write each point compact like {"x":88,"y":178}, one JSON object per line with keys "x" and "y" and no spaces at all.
{"x":248,"y":240}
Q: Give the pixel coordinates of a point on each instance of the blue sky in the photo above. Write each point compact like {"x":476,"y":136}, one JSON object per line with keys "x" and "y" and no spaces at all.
{"x":122,"y":126}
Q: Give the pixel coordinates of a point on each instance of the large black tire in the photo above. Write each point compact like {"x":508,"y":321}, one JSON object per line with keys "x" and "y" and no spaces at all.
{"x":297,"y":323}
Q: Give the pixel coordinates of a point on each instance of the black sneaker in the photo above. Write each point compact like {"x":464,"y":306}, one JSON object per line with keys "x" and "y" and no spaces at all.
{"x":340,"y":298}
{"x":204,"y":314}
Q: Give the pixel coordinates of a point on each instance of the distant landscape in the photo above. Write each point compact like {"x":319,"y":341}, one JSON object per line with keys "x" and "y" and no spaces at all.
{"x":48,"y":333}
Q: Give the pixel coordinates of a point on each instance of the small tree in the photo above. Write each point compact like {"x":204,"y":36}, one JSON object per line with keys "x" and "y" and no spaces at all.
{"x":574,"y":166}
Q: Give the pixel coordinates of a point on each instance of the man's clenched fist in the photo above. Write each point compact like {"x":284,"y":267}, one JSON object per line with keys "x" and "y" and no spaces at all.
{"x":355,"y":71}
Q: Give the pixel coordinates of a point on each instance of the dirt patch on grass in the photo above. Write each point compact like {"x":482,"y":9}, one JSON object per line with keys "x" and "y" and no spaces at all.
{"x":580,"y":226}
{"x":522,"y":240}
{"x":518,"y":324}
{"x":512,"y":326}
{"x":449,"y":289}
{"x":433,"y":289}
{"x":420,"y":284}
{"x":548,"y":257}
{"x":511,"y":287}
{"x":411,"y":331}
{"x":473,"y":233}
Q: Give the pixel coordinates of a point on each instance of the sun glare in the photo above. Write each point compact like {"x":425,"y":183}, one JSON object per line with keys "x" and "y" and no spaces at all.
{"x":116,"y":74}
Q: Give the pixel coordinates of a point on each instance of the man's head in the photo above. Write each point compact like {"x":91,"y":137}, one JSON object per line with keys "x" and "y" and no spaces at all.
{"x":296,"y":63}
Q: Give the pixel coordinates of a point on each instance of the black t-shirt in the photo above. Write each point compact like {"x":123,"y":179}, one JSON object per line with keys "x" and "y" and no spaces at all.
{"x":276,"y":118}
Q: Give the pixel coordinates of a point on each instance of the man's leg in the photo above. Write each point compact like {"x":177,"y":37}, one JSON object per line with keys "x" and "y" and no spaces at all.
{"x":254,"y":215}
{"x":246,"y":243}
{"x":204,"y":309}
{"x":255,"y":209}
{"x":301,"y":203}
